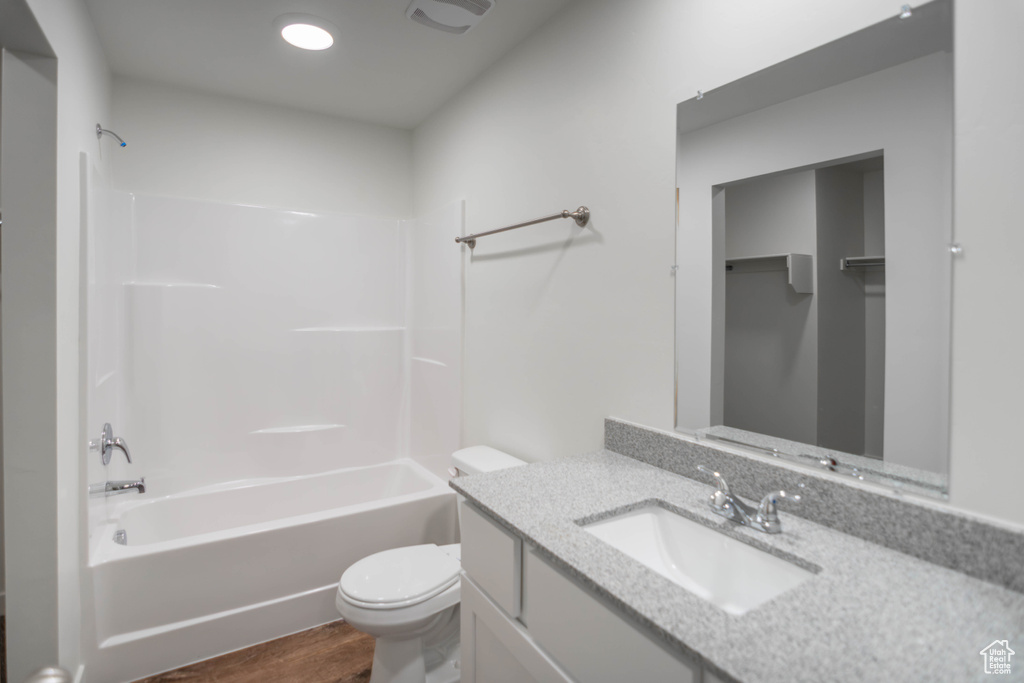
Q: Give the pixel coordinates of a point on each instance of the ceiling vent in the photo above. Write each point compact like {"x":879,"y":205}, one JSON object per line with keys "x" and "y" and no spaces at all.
{"x":450,"y":16}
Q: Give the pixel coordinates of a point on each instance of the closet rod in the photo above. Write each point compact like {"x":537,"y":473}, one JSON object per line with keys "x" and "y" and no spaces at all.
{"x":861,"y":262}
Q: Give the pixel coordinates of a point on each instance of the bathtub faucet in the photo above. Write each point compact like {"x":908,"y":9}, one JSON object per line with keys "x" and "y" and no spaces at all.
{"x":113,"y":488}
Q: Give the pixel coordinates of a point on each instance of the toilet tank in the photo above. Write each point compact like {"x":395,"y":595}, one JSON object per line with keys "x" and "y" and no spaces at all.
{"x":478,"y":459}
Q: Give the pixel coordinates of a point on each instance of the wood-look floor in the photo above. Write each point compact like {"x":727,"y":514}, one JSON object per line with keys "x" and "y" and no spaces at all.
{"x":332,"y":653}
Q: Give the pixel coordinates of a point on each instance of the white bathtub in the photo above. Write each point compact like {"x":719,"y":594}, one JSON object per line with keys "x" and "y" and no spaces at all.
{"x":211,"y":571}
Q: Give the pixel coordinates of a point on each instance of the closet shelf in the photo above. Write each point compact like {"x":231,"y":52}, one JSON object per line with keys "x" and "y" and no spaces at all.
{"x":800,"y":267}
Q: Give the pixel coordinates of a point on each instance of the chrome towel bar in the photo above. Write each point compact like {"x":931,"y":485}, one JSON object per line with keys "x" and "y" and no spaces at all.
{"x":580,"y":215}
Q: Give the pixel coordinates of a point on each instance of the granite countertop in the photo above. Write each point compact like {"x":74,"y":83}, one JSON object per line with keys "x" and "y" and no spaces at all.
{"x":869,"y":614}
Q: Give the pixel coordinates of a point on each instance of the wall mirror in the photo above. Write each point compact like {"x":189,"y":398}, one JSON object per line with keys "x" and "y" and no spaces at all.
{"x":813,"y":246}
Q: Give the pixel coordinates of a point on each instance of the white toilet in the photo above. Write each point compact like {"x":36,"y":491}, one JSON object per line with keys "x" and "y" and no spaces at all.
{"x":408,"y":598}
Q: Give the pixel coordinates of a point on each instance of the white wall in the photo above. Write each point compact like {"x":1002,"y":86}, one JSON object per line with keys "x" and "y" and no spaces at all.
{"x":561,"y":332}
{"x":28,"y":271}
{"x":83,"y":84}
{"x":183,"y":143}
{"x":987,"y":466}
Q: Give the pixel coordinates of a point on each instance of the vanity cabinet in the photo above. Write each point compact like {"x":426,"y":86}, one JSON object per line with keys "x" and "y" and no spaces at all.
{"x":524,"y":620}
{"x":497,"y":648}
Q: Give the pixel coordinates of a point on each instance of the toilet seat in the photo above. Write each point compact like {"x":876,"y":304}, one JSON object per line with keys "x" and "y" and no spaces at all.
{"x":400,"y":577}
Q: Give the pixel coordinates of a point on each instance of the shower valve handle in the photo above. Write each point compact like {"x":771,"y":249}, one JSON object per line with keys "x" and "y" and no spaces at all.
{"x":107,"y":443}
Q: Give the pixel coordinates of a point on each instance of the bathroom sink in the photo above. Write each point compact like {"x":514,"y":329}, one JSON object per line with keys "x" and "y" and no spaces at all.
{"x":731,"y":574}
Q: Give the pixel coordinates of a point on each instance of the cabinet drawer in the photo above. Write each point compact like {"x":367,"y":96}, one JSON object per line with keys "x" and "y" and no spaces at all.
{"x":590,"y":641}
{"x":493,"y":557}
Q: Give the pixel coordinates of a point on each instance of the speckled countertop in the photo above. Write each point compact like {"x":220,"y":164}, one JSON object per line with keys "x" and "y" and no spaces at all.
{"x":869,"y":614}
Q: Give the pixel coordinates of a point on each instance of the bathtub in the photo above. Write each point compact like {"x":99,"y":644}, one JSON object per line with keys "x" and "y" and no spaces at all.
{"x":210,"y":571}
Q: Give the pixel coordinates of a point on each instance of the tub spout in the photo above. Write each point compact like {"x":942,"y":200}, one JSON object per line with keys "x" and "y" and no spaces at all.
{"x":113,"y":488}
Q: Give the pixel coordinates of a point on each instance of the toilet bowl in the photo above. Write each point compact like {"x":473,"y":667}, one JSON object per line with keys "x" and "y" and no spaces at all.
{"x":408,"y":598}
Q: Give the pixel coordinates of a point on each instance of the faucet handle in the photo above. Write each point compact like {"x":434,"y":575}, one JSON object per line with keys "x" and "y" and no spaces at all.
{"x":767,"y":512}
{"x":121,"y":445}
{"x":723,"y":485}
{"x":107,"y":443}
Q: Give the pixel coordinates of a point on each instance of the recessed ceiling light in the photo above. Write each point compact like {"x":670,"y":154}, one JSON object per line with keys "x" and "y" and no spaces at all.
{"x":307,"y":36}
{"x":305,"y":31}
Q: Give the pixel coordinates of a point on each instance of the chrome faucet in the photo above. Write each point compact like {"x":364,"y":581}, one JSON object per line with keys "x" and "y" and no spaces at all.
{"x":764,"y":517}
{"x":113,"y":488}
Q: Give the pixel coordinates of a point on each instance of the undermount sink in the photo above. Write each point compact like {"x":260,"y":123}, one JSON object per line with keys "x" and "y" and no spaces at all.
{"x":731,"y":574}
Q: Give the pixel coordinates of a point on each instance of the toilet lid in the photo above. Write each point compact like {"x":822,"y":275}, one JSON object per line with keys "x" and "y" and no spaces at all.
{"x":400,"y":577}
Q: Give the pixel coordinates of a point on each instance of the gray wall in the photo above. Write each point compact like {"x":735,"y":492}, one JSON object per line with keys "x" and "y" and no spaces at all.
{"x":771,"y":332}
{"x":3,"y":582}
{"x":874,"y":315}
{"x":796,"y":365}
{"x":841,"y":335}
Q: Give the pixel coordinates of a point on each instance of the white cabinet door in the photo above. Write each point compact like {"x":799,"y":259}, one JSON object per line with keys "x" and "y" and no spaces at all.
{"x":589,"y":640}
{"x":495,"y":649}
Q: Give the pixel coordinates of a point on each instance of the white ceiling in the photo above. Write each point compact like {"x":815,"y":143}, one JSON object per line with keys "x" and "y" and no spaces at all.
{"x":382,"y":68}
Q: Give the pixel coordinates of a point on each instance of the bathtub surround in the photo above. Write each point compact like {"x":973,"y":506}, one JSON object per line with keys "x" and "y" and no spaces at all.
{"x":932,"y":532}
{"x":282,"y":376}
{"x":867,"y":614}
{"x":260,"y":342}
{"x":231,"y":341}
{"x":433,"y":352}
{"x":186,"y":143}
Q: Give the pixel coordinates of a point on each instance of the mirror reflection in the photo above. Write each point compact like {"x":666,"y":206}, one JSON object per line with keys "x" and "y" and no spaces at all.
{"x":823,"y":222}
{"x":805,"y":307}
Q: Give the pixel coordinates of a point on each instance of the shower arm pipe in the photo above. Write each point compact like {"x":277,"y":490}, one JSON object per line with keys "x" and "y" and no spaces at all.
{"x":100,"y":132}
{"x":580,"y":215}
